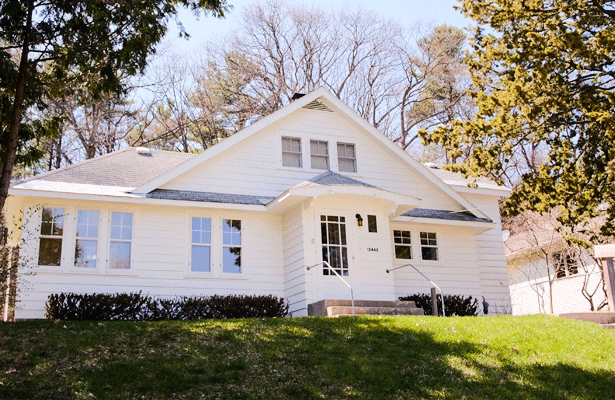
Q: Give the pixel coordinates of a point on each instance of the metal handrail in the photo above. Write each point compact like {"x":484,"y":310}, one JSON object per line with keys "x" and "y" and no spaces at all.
{"x":339,"y":276}
{"x":430,"y":281}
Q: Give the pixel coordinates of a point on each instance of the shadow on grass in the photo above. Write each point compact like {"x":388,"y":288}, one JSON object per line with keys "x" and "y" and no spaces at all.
{"x":305,"y":358}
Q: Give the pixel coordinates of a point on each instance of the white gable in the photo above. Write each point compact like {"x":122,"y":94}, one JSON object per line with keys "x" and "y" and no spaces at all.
{"x":250,"y":162}
{"x":254,"y":165}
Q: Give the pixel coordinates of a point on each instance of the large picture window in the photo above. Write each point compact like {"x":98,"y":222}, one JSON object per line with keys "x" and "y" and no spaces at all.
{"x":231,"y":246}
{"x":334,"y":249}
{"x":201,"y":245}
{"x":86,"y":243}
{"x":429,"y":246}
{"x":291,"y":152}
{"x":52,"y":230}
{"x":121,"y":239}
{"x":319,"y":154}
{"x":346,"y":157}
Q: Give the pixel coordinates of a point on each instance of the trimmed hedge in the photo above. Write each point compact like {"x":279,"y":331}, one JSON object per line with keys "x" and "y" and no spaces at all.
{"x":139,"y":307}
{"x":455,"y":304}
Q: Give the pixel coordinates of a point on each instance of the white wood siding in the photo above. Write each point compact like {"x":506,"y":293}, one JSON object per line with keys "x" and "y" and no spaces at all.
{"x":491,"y":259}
{"x":456,"y":270}
{"x":254,"y":166}
{"x":294,"y":262}
{"x":160,"y":258}
{"x":534,"y":297}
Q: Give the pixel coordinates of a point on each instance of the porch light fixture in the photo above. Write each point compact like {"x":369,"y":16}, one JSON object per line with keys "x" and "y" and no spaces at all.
{"x":359,"y":220}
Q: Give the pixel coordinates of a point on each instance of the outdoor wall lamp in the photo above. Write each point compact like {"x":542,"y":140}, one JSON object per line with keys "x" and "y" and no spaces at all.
{"x":359,"y":220}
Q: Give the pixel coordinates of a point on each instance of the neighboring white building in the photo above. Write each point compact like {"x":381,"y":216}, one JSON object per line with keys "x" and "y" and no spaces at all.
{"x":249,"y":214}
{"x":547,"y":276}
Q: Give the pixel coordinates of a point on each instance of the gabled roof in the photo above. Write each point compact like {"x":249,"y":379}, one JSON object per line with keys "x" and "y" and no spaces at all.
{"x":480,"y":185}
{"x":444,"y":214}
{"x":331,"y":102}
{"x":208,"y":197}
{"x":124,"y":168}
{"x":333,"y":178}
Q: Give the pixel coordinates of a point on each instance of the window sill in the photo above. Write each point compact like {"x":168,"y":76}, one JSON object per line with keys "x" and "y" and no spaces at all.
{"x":217,"y":277}
{"x":91,"y":272}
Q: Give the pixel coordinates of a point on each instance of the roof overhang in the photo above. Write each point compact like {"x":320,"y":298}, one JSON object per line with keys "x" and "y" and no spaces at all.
{"x":291,"y":197}
{"x":477,"y":226}
{"x":114,"y":195}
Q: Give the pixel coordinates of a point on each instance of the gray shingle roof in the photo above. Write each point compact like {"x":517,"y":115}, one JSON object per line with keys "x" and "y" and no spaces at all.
{"x":443,"y":214}
{"x":332,"y":178}
{"x":123,"y":168}
{"x":208,"y":197}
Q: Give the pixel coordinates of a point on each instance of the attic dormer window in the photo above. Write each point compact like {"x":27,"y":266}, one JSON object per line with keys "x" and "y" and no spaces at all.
{"x":346,"y":157}
{"x":291,"y":152}
{"x":319,"y":154}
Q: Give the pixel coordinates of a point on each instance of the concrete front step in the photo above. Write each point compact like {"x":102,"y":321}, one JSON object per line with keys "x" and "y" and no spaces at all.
{"x":608,"y":326}
{"x":332,"y":308}
{"x":599,"y":317}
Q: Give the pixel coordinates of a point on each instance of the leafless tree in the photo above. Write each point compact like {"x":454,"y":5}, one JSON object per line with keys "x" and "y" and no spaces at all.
{"x":396,"y":81}
{"x":545,"y":251}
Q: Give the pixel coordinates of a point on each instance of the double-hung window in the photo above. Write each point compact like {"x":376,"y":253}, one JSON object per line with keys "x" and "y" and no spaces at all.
{"x":429,"y":246}
{"x":52,"y":230}
{"x":121,"y":239}
{"x":346,"y":157}
{"x":319,"y":154}
{"x":86,"y":243}
{"x":291,"y":152}
{"x":201,"y":245}
{"x":403,"y":244}
{"x":231,"y":246}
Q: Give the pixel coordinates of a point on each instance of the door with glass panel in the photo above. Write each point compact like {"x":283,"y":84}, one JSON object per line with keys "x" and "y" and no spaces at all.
{"x":334,"y":244}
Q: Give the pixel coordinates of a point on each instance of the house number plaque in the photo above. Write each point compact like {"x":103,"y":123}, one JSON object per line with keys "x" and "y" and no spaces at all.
{"x":372,"y":249}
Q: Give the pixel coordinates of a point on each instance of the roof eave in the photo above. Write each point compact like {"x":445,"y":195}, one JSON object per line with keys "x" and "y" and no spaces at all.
{"x":477,"y":226}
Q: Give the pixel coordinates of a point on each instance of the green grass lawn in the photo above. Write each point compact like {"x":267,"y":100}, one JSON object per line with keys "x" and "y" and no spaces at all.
{"x":535,"y":357}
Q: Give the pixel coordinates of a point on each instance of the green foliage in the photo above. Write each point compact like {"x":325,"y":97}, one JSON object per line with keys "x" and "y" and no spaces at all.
{"x":545,"y":90}
{"x":455,"y":304}
{"x":532,"y":357}
{"x":46,"y":46}
{"x":139,"y":307}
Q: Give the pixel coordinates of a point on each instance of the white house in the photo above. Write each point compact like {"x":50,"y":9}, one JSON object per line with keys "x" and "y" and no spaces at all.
{"x":309,"y":182}
{"x":548,"y":276}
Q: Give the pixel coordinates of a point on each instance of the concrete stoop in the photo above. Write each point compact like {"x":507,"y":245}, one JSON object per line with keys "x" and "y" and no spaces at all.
{"x":604,"y":318}
{"x":339,"y":308}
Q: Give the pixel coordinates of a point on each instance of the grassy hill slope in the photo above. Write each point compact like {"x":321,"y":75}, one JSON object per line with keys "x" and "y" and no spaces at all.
{"x":534,"y":357}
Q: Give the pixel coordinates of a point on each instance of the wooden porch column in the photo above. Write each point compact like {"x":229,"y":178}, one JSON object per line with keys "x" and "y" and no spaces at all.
{"x":606,"y":253}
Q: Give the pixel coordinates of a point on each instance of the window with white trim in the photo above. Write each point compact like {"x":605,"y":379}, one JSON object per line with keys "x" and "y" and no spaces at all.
{"x":121,"y":240}
{"x":429,"y":246}
{"x":231,"y":246}
{"x":372,"y":224}
{"x":346,"y":157}
{"x":291,"y":152}
{"x":50,"y":241}
{"x":334,"y":248}
{"x":319,"y":154}
{"x":403,"y":245}
{"x":565,"y":264}
{"x":201,"y":245}
{"x":86,"y":242}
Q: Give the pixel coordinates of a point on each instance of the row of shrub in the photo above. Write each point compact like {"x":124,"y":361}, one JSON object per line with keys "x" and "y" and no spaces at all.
{"x":454,"y":304}
{"x":140,"y":307}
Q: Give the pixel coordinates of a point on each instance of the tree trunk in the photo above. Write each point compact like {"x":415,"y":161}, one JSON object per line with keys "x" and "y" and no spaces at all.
{"x":11,"y":141}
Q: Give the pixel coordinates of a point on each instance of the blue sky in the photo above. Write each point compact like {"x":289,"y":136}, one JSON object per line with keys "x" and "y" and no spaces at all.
{"x":406,"y":12}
